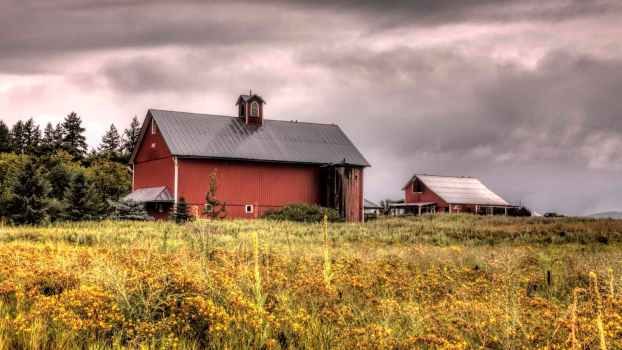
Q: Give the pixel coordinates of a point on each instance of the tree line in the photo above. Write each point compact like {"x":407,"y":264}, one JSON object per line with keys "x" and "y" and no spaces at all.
{"x":50,"y":175}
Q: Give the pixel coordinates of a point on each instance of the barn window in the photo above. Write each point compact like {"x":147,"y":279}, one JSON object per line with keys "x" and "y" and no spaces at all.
{"x":248,"y":209}
{"x":153,"y":127}
{"x":417,"y":186}
{"x":153,"y":145}
{"x":254,"y":109}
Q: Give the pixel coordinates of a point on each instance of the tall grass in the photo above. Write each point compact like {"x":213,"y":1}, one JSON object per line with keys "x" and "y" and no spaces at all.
{"x":397,"y":283}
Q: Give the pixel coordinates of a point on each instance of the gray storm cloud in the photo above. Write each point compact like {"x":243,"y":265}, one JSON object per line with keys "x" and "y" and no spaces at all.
{"x":524,"y":94}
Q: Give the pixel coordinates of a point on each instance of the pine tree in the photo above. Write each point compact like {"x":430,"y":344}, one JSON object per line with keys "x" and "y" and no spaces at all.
{"x":74,"y":141}
{"x":5,"y":140}
{"x":181,"y":214}
{"x":32,"y":137}
{"x":17,"y":142}
{"x":47,"y":145}
{"x":60,"y":169}
{"x":29,"y":202}
{"x":111,"y":143}
{"x":81,"y":200}
{"x":131,"y":135}
{"x":58,"y":135}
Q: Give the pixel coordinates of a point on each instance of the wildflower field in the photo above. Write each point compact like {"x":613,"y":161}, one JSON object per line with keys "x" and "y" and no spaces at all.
{"x":446,"y":281}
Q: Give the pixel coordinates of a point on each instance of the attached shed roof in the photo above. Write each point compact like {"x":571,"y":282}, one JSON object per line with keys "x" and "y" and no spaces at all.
{"x":223,"y":137}
{"x":371,"y":205}
{"x":460,"y":190}
{"x":149,"y":194}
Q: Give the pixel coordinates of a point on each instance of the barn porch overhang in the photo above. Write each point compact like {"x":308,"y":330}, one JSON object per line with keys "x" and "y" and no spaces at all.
{"x":416,"y":208}
{"x":150,"y":195}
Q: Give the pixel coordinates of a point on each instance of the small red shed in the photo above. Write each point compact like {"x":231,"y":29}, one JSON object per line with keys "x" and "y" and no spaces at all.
{"x":451,"y":194}
{"x":259,"y":164}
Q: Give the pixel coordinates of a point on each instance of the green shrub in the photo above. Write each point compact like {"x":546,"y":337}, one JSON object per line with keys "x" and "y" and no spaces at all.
{"x":304,"y":213}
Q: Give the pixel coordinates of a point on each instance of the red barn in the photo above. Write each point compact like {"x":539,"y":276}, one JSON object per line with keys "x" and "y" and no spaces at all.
{"x":452,"y":194}
{"x":259,"y":164}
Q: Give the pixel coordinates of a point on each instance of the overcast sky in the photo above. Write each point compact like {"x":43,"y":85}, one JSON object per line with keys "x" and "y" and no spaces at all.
{"x":526,"y":95}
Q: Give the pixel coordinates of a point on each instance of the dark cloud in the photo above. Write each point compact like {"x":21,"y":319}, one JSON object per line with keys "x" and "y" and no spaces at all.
{"x":36,"y":30}
{"x":444,"y":101}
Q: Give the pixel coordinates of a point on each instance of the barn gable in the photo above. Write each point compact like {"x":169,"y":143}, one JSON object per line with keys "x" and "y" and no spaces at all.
{"x":151,"y":143}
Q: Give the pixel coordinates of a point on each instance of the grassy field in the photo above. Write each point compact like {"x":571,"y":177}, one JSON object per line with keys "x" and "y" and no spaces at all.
{"x":433,"y":282}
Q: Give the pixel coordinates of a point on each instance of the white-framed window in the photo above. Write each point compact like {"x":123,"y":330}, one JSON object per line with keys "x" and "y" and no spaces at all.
{"x":254,"y":109}
{"x":153,"y":145}
{"x":153,"y":127}
{"x":248,"y":209}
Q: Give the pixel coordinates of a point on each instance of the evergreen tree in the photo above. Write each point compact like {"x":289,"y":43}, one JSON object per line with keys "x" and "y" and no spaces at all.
{"x":5,"y":140}
{"x":60,"y":169}
{"x":58,"y":135}
{"x":32,"y":137}
{"x":81,"y":200}
{"x":18,"y":145}
{"x":131,"y":135}
{"x":10,"y":167}
{"x":181,"y":214}
{"x":130,"y":210}
{"x":47,"y":145}
{"x":111,"y":143}
{"x":29,"y":202}
{"x":74,"y":141}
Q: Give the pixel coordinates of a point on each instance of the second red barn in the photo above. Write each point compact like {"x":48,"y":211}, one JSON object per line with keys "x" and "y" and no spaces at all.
{"x":450,"y":194}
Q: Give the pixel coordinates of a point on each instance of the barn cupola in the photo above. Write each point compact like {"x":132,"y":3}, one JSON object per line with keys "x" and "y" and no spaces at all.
{"x":250,"y":108}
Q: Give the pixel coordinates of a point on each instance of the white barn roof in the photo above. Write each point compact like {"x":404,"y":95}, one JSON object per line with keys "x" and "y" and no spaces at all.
{"x":149,"y":194}
{"x":460,"y":190}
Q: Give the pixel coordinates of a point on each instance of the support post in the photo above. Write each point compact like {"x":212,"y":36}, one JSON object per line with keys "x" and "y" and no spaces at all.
{"x":176,"y":179}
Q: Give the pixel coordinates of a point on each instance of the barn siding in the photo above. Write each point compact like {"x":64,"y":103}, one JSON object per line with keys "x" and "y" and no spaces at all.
{"x":153,"y":166}
{"x":146,"y":152}
{"x":426,"y":196}
{"x":267,"y":186}
{"x":354,"y":196}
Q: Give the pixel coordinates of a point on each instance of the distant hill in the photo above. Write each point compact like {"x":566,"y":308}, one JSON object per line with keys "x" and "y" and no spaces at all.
{"x":607,"y":215}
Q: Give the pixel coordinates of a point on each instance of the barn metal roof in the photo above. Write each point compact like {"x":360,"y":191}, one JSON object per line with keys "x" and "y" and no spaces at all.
{"x":149,"y":194}
{"x":460,"y":190}
{"x":225,"y":137}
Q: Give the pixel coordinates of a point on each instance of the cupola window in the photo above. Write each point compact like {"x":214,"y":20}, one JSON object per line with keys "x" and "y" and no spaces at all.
{"x":254,"y":109}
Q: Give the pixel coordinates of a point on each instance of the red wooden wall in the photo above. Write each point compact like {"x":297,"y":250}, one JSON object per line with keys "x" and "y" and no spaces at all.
{"x":425,"y":196}
{"x":153,"y":164}
{"x":267,"y":186}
